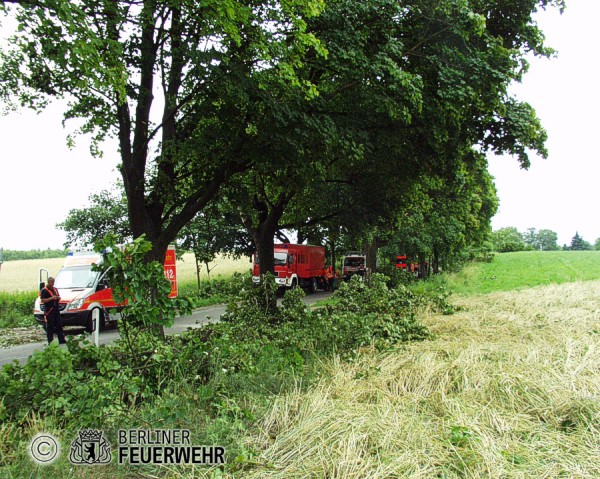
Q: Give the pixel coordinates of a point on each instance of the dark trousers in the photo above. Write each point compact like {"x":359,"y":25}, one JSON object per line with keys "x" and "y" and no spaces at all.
{"x":54,"y":324}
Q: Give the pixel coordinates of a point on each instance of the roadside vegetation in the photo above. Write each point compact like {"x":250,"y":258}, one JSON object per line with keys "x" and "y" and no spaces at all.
{"x":16,"y":255}
{"x":218,"y":380}
{"x":382,"y":381}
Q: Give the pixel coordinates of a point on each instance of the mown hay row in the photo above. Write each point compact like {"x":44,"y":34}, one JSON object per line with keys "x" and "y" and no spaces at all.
{"x":510,"y":388}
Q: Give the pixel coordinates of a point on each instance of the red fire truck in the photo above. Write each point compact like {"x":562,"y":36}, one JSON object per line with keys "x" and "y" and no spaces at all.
{"x":297,"y":265}
{"x":403,"y":263}
{"x":82,"y":289}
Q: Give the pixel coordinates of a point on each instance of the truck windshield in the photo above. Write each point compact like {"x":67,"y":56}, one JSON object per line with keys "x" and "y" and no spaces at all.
{"x":360,"y":261}
{"x":280,"y":259}
{"x":76,"y":277}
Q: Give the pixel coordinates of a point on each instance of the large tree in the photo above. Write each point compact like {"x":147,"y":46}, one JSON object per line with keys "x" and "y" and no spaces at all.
{"x":507,"y":240}
{"x":579,"y":244}
{"x":171,"y":79}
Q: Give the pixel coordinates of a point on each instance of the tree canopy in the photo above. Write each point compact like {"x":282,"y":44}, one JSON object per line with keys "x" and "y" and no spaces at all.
{"x":362,"y":119}
{"x":170,"y":79}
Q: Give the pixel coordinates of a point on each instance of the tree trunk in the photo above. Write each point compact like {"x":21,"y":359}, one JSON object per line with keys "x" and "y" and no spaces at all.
{"x":370,"y":250}
{"x":436,"y":261}
{"x":264,"y":233}
{"x":197,"y":271}
{"x":332,"y":251}
{"x":264,"y":248}
{"x":423,"y":266}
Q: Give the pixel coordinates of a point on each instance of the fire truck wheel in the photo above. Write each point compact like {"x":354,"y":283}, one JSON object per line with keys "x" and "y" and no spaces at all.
{"x":313,"y":286}
{"x":294,"y":283}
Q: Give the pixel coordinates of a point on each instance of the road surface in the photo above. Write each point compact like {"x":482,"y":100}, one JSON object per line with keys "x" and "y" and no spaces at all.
{"x":196,"y":319}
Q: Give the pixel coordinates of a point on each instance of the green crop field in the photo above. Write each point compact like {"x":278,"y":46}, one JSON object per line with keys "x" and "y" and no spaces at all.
{"x":526,"y":269}
{"x":22,"y":275}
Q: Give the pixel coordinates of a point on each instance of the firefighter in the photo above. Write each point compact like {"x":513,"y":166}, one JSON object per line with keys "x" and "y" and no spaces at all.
{"x":49,"y":297}
{"x":330,"y":278}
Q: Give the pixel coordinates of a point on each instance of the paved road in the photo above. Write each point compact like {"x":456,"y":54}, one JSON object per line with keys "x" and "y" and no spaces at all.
{"x":196,"y":319}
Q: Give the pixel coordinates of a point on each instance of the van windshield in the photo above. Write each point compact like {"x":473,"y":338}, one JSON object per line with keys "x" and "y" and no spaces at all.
{"x":76,"y":277}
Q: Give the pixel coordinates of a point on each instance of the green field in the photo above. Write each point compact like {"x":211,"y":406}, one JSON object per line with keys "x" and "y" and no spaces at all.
{"x":526,"y":269}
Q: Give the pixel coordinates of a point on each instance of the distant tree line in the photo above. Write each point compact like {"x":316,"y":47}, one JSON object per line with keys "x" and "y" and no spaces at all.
{"x":509,"y":239}
{"x":14,"y":255}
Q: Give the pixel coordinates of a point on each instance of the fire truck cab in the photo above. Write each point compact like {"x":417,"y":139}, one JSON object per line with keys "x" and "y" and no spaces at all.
{"x":297,"y":265}
{"x":354,"y":264}
{"x":403,"y":263}
{"x":82,"y":289}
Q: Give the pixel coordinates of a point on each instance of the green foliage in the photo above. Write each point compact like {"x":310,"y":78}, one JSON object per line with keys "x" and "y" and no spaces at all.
{"x":579,"y":244}
{"x":14,"y":255}
{"x":396,"y":276}
{"x":545,"y":240}
{"x":507,"y":240}
{"x":16,"y":309}
{"x":215,"y":290}
{"x":94,"y":384}
{"x":138,"y":284}
{"x":106,"y":213}
{"x":108,"y":58}
{"x":212,"y":372}
{"x":374,"y":312}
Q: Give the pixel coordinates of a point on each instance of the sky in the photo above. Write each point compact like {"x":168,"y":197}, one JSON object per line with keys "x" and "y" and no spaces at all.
{"x":41,"y":179}
{"x":561,"y":193}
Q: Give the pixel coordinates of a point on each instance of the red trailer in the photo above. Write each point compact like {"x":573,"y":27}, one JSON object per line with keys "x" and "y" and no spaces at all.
{"x":297,"y":265}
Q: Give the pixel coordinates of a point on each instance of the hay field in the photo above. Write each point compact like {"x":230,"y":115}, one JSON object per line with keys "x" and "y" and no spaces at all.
{"x":509,"y":388}
{"x":22,"y":275}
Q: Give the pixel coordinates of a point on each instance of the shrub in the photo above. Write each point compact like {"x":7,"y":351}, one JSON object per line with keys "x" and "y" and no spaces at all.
{"x":219,"y":287}
{"x":16,"y":309}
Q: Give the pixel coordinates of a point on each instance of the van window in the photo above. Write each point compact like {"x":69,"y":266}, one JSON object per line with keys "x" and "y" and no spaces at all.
{"x":76,"y":277}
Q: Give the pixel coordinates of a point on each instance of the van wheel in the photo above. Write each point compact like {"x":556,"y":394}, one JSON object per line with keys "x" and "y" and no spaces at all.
{"x":89,"y":323}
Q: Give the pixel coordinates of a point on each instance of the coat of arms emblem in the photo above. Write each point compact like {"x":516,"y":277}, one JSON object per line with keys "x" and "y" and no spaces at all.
{"x":90,"y":447}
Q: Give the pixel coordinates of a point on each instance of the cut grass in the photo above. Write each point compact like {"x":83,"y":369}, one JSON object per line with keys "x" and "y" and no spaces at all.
{"x":509,"y":389}
{"x":526,"y":269}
